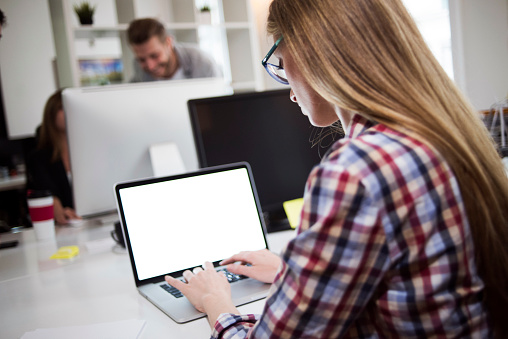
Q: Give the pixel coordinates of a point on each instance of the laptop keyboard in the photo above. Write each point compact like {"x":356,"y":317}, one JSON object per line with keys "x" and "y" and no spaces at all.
{"x":173,"y":290}
{"x":177,"y":294}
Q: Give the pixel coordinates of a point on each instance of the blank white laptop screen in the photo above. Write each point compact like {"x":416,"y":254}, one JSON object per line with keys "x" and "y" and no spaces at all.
{"x":177,"y":224}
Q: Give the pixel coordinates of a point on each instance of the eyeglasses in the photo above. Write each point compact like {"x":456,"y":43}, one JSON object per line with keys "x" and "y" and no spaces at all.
{"x":275,"y":71}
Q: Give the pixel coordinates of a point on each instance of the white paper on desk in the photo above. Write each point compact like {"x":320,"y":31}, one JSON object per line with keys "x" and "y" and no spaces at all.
{"x":126,"y":329}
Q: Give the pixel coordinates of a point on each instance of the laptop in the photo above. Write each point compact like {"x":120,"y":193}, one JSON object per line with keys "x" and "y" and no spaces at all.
{"x":176,"y":223}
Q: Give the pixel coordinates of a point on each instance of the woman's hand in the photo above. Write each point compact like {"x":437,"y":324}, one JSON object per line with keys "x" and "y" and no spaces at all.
{"x":62,"y":214}
{"x":262,"y":265}
{"x":208,"y":290}
{"x":70,"y":214}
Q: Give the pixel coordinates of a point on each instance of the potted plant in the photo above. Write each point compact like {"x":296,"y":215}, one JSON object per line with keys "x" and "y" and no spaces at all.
{"x":205,"y":9}
{"x":205,"y":15}
{"x":85,"y":12}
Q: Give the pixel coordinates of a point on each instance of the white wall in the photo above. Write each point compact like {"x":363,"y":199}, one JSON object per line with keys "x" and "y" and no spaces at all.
{"x":26,"y":64}
{"x":480,"y":49}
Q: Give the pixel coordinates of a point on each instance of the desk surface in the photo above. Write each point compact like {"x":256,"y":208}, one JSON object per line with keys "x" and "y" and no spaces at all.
{"x":95,"y":287}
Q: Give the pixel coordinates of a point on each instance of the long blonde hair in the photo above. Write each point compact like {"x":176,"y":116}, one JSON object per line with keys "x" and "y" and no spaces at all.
{"x":369,"y":57}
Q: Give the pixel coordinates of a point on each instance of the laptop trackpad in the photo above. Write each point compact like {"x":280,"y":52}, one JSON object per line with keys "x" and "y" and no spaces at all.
{"x":181,"y":310}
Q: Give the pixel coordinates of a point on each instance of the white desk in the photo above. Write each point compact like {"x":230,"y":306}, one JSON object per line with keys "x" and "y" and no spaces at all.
{"x":37,"y":292}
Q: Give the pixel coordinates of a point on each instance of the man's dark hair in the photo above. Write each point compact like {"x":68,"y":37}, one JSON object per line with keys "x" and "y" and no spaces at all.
{"x":2,"y":18}
{"x":142,"y":30}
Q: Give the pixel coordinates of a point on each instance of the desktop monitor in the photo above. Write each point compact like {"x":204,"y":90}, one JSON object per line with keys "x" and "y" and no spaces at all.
{"x":266,"y":130}
{"x":110,"y":130}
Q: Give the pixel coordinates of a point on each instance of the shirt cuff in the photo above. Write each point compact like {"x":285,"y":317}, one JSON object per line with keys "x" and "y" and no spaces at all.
{"x":230,"y":325}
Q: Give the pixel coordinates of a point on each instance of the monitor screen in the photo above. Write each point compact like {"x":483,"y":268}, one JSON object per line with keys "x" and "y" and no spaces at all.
{"x":111,"y":130}
{"x":268,"y":131}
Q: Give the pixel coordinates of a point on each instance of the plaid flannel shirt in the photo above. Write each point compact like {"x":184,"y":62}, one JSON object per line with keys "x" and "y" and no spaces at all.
{"x":383,"y":250}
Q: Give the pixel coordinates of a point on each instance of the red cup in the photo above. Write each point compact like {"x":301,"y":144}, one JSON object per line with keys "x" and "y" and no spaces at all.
{"x":40,"y":208}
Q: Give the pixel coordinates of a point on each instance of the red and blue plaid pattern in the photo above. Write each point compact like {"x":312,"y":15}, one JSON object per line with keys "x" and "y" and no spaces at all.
{"x":383,"y":250}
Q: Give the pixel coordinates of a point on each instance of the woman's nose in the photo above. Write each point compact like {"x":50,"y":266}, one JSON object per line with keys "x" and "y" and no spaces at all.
{"x":292,"y":96}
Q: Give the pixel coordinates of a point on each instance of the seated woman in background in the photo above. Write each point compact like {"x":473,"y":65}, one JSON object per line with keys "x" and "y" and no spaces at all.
{"x":48,"y":167}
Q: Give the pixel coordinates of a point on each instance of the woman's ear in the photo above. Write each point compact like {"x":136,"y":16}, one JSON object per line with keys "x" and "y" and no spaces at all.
{"x":292,"y":96}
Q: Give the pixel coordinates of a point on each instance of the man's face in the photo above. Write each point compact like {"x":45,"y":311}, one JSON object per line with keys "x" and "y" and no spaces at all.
{"x":155,"y":57}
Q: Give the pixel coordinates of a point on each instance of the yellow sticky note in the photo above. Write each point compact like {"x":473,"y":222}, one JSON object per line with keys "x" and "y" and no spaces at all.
{"x":66,"y":252}
{"x":293,"y":208}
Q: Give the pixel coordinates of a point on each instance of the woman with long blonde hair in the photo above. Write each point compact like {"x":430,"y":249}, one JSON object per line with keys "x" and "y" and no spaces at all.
{"x":404,"y":229}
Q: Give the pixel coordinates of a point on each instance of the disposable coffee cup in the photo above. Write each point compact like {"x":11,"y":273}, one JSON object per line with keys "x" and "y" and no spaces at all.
{"x":40,"y":208}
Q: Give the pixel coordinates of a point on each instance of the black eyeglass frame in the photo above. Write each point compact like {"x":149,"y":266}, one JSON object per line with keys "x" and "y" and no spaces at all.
{"x":268,"y":65}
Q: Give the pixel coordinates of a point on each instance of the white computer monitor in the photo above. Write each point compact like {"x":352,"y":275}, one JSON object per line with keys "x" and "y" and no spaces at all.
{"x":110,"y":131}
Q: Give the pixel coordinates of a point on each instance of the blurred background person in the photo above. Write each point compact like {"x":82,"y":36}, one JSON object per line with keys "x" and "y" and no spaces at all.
{"x":2,"y":22}
{"x":48,"y":166}
{"x":159,"y":57}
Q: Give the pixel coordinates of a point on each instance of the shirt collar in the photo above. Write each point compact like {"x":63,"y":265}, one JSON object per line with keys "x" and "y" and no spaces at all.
{"x":358,"y":125}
